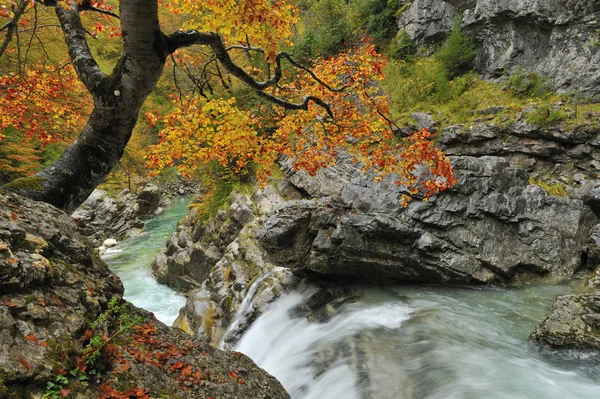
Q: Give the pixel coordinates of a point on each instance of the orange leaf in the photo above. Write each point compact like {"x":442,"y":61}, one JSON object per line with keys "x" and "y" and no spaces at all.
{"x":233,"y":374}
{"x":177,"y":366}
{"x":31,"y":338}
{"x":25,"y":363}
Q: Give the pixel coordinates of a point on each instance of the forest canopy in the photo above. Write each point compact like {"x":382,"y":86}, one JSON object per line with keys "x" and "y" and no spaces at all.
{"x":218,"y":82}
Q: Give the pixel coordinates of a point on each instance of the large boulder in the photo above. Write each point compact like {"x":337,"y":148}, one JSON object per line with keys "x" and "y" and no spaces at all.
{"x":573,"y":322}
{"x":492,"y":226}
{"x":536,"y":35}
{"x":58,"y":300}
{"x":102,"y":216}
{"x":148,"y":200}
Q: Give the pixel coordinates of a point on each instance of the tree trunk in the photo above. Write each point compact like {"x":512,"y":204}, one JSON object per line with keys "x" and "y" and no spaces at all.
{"x":117,"y":101}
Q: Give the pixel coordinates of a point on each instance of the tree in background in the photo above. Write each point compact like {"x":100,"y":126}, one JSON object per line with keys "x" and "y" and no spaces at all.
{"x":341,"y":103}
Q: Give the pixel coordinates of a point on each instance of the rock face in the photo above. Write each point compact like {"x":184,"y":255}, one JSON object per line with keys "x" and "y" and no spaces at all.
{"x":573,"y":322}
{"x":493,"y":226}
{"x":101,"y":216}
{"x":221,"y":264}
{"x":537,"y":35}
{"x":53,"y":289}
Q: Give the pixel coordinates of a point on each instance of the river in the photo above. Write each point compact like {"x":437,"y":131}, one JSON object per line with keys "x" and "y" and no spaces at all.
{"x":389,"y":342}
{"x":131,"y":260}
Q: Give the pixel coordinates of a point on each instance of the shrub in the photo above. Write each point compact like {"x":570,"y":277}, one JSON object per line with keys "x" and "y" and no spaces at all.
{"x":524,"y":84}
{"x":458,"y":52}
{"x":544,"y":116}
{"x":403,"y":46}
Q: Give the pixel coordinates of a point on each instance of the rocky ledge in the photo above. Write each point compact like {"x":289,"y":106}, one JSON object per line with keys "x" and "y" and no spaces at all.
{"x":493,"y":226}
{"x":101,"y":216}
{"x":65,"y":329}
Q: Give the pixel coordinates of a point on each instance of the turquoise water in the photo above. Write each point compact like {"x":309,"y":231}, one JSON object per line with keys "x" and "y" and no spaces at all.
{"x":389,"y":342}
{"x":131,"y":260}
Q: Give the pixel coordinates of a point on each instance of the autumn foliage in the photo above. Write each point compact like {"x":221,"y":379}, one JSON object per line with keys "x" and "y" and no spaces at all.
{"x":200,"y":131}
{"x":206,"y":123}
{"x":40,"y":107}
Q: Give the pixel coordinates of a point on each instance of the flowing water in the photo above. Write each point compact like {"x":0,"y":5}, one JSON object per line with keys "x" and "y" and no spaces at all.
{"x":387,"y":342}
{"x":419,"y":342}
{"x":131,"y":260}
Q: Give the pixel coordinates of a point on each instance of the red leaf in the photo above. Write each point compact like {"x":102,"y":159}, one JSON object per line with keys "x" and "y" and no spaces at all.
{"x":31,"y":338}
{"x":233,"y":374}
{"x":64,"y":392}
{"x":25,"y":363}
{"x":186,"y":371}
{"x":177,"y":366}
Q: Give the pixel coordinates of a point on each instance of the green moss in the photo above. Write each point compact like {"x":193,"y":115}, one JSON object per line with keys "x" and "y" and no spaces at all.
{"x":556,"y":189}
{"x":32,"y":183}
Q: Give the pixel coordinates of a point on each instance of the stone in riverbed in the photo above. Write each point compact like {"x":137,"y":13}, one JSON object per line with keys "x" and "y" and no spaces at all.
{"x":573,"y":322}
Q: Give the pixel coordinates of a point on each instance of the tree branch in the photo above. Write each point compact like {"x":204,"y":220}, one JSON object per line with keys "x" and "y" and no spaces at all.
{"x":11,"y":26}
{"x":89,"y":7}
{"x":86,"y":66}
{"x":297,"y":106}
{"x":181,"y":39}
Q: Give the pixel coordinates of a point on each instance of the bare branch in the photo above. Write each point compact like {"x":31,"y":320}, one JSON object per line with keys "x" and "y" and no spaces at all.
{"x":184,"y":39}
{"x":297,"y":106}
{"x":86,"y":66}
{"x":89,"y":7}
{"x":11,"y":26}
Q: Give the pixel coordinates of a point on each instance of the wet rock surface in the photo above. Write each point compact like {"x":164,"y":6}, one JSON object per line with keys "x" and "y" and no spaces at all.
{"x":53,"y":289}
{"x":219,"y":262}
{"x":573,"y":322}
{"x":536,"y":35}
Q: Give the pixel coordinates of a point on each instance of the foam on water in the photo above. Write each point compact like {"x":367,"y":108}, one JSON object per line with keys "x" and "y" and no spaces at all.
{"x":421,"y":343}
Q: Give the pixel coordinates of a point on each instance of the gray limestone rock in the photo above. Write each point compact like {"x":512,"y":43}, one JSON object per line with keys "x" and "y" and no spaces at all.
{"x":573,"y":322}
{"x":535,"y":35}
{"x":53,"y":286}
{"x":492,"y":226}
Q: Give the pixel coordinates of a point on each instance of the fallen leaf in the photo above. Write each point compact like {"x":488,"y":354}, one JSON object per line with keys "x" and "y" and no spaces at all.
{"x":233,"y":374}
{"x":186,"y":371}
{"x":8,"y":302}
{"x":64,"y":392}
{"x":31,"y":338}
{"x":25,"y":363}
{"x":177,"y":366}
